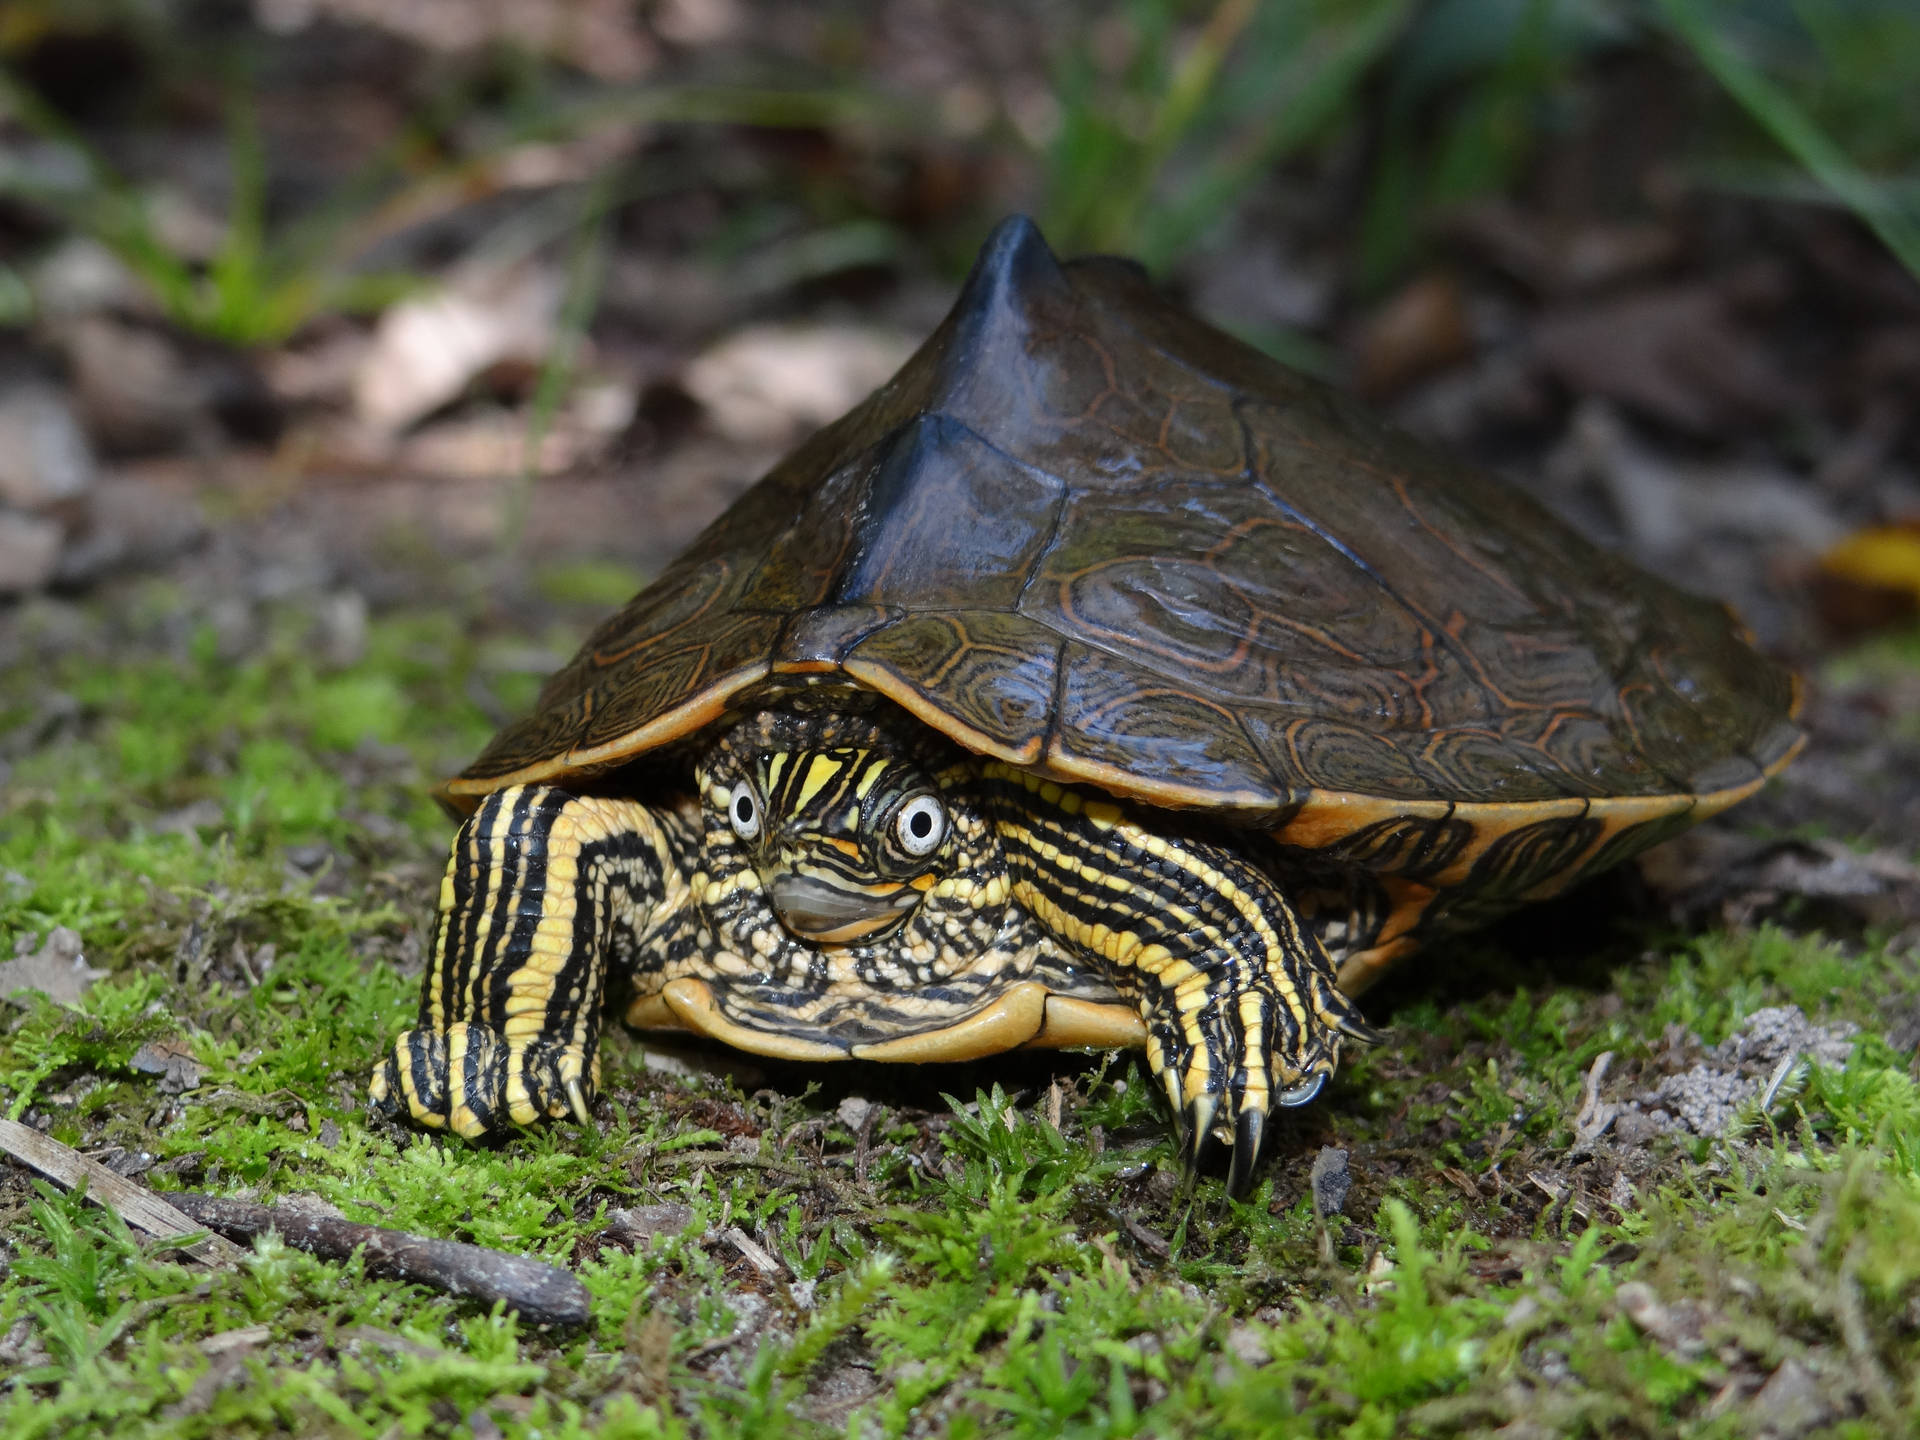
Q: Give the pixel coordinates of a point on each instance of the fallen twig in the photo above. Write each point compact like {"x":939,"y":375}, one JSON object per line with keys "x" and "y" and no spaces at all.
{"x":544,"y":1294}
{"x":1151,"y":1241}
{"x":541,"y":1293}
{"x":755,"y":1253}
{"x":135,"y":1204}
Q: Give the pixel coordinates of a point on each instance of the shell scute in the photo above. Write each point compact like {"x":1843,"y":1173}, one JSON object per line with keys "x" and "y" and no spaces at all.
{"x":1179,"y":748}
{"x":944,"y":514}
{"x":994,"y":674}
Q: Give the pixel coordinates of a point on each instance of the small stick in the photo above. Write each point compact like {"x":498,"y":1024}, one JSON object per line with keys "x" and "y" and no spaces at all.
{"x":544,"y":1294}
{"x":135,"y":1204}
{"x":755,"y":1253}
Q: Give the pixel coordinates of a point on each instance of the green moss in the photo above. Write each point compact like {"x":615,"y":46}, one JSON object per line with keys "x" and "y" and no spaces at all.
{"x":966,"y":1267}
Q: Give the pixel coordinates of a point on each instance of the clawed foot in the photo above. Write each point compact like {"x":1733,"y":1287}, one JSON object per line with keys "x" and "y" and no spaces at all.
{"x":1228,"y":1057}
{"x":474,"y":1082}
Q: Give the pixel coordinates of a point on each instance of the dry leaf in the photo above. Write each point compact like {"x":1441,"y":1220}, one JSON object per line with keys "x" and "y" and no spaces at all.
{"x":1887,"y":556}
{"x":58,"y":969}
{"x":1679,"y":355}
{"x":1871,"y":578}
{"x":426,"y":349}
{"x":172,"y":1061}
{"x":768,"y":383}
{"x":1421,"y":329}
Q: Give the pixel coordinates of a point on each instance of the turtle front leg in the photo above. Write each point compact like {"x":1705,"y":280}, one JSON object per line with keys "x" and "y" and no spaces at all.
{"x":1238,"y":996}
{"x":542,"y":890}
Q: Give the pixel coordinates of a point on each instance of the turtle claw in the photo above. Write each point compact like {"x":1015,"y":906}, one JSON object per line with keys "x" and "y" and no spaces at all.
{"x":1227,"y":1064}
{"x":1249,"y":1140}
{"x":577,"y":1102}
{"x":1334,"y":1010}
{"x":1170,"y":1082}
{"x":1198,"y":1143}
{"x":1305,"y":1092}
{"x":1348,"y":1022}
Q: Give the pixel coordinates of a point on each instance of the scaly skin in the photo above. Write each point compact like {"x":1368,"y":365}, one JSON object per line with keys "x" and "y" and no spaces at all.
{"x":822,"y":924}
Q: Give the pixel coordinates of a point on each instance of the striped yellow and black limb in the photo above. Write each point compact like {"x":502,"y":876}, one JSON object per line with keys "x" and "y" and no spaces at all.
{"x":542,"y":890}
{"x":1238,"y":996}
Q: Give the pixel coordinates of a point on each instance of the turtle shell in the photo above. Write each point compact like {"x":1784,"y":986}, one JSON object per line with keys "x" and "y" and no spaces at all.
{"x":1087,"y":533}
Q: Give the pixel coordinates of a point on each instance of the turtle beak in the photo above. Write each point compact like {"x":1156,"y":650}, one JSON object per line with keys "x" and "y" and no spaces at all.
{"x":829,"y":914}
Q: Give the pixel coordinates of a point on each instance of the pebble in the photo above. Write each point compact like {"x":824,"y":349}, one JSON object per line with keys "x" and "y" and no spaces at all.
{"x":853,"y":1111}
{"x":45,"y":459}
{"x":1331,"y":1179}
{"x":29,"y":550}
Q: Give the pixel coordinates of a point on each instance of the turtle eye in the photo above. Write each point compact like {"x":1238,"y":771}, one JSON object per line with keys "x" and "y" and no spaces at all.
{"x":743,"y":811}
{"x":921,"y":825}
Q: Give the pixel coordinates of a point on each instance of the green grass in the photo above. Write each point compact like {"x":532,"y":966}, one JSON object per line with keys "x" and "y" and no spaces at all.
{"x":1157,"y":144}
{"x":272,"y":274}
{"x":1863,"y":59}
{"x":261,"y":285}
{"x":989,"y":1275}
{"x":1171,"y":112}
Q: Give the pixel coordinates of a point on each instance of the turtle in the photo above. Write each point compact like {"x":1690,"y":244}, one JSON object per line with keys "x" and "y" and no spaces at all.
{"x":1097,"y":681}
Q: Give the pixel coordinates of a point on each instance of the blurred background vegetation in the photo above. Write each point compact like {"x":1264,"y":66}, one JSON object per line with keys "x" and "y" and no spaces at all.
{"x":1149,"y":127}
{"x":224,"y":223}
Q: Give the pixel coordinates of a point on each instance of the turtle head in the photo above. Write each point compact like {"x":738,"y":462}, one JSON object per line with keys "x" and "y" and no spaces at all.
{"x":847,"y":839}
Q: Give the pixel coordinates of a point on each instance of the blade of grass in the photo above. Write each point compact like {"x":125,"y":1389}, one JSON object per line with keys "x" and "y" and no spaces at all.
{"x":253,"y":291}
{"x":1795,"y":131}
{"x":1324,"y":76}
{"x":1186,"y":91}
{"x":1469,"y":91}
{"x":762,"y":107}
{"x":102,"y":204}
{"x":239,"y":298}
{"x":1149,"y":155}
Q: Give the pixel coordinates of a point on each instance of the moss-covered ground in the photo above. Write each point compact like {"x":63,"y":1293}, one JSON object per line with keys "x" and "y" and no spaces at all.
{"x":239,"y":832}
